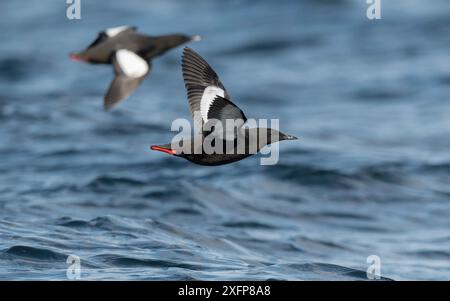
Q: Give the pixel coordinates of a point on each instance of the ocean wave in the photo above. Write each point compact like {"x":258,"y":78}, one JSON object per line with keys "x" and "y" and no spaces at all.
{"x":32,"y":253}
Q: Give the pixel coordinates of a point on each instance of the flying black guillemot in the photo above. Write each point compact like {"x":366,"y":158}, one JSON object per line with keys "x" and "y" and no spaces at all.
{"x":130,"y":53}
{"x":208,"y":101}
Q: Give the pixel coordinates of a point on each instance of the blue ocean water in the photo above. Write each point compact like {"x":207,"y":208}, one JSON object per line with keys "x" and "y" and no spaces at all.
{"x":369,"y":176}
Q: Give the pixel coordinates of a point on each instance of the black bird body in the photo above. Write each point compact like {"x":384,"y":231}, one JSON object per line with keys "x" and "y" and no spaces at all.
{"x":203,"y":158}
{"x":249,"y":142}
{"x":147,"y":47}
{"x":209,"y":103}
{"x":130,"y":53}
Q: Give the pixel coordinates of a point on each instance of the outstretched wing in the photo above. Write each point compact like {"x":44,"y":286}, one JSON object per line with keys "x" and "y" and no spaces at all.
{"x":111,"y":32}
{"x":130,"y":69}
{"x":223,"y":110}
{"x":202,"y":85}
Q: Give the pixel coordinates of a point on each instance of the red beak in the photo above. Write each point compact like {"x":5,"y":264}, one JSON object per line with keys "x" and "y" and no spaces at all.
{"x":76,"y":57}
{"x":162,"y":149}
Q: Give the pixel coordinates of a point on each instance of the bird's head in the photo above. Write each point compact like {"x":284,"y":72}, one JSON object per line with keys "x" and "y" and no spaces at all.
{"x":272,"y":135}
{"x":174,"y":40}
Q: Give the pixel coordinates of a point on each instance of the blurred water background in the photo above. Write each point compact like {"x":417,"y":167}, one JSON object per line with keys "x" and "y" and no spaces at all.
{"x":369,"y":176}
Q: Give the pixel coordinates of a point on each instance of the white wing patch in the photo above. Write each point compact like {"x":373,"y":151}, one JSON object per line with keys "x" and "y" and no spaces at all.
{"x":207,"y":99}
{"x":114,"y":31}
{"x":131,"y":64}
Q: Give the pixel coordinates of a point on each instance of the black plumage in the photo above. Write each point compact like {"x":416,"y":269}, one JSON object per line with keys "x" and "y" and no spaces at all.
{"x":103,"y":50}
{"x":210,"y":103}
